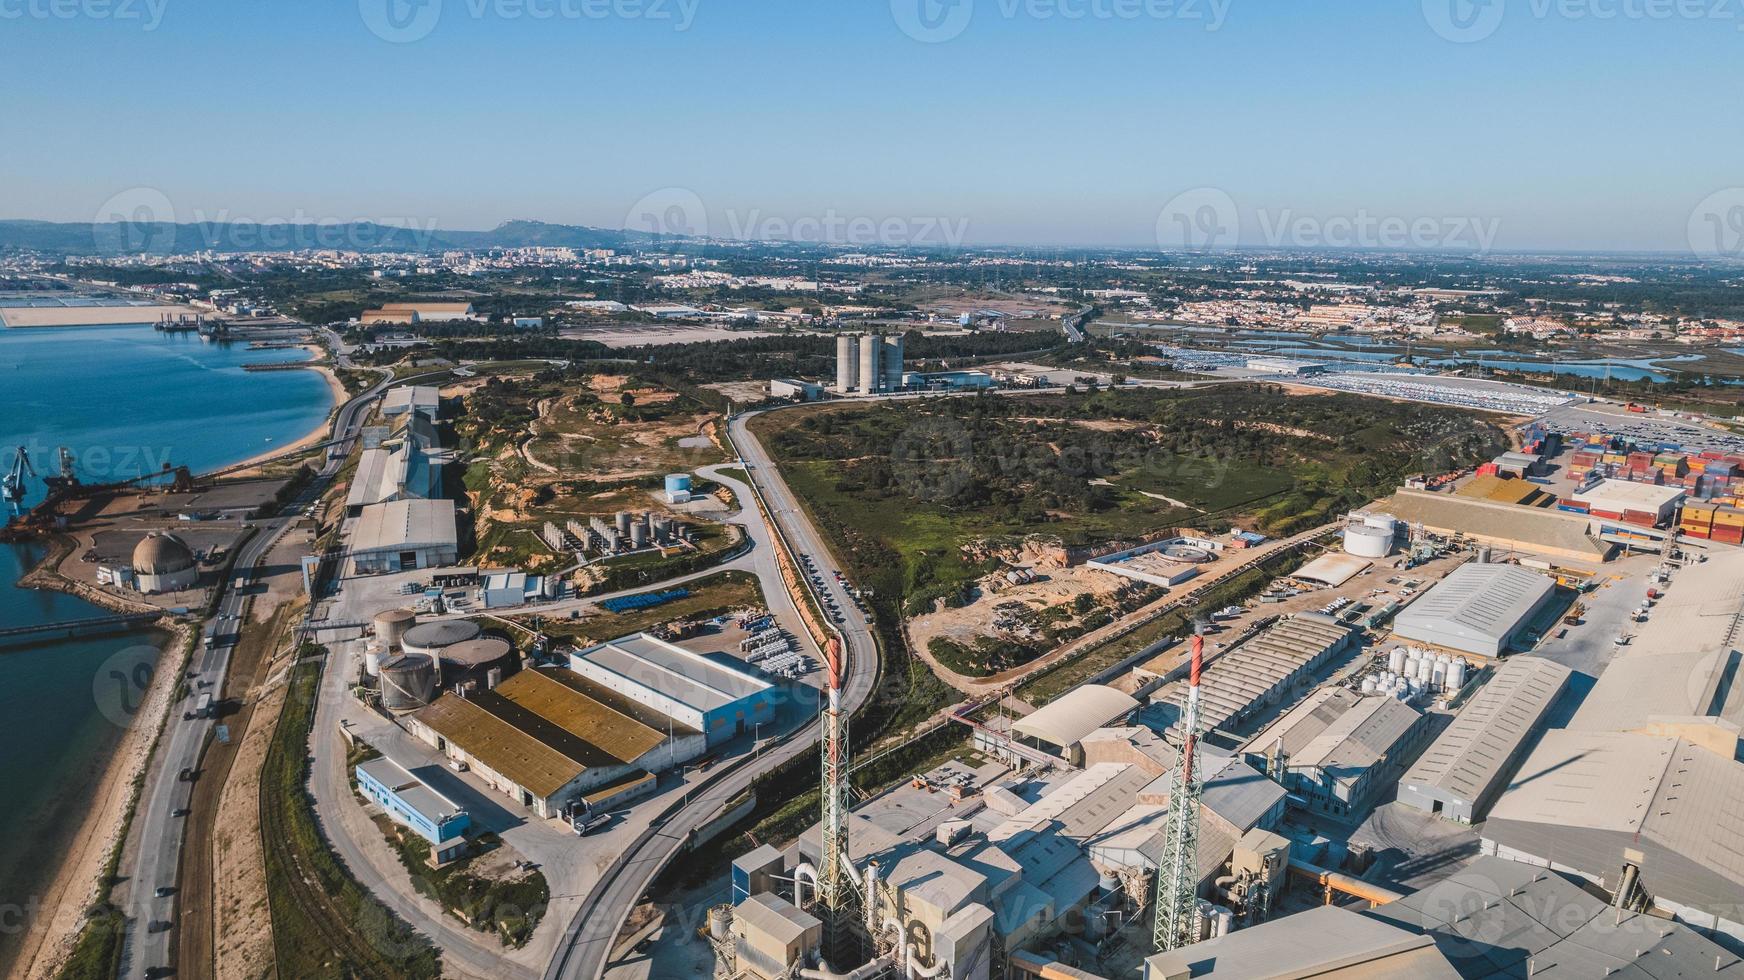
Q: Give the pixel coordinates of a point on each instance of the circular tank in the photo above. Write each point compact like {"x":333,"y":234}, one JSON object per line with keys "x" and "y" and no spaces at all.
{"x":471,"y":659}
{"x":408,"y":682}
{"x":429,"y":638}
{"x":678,"y":483}
{"x":372,"y":658}
{"x":1396,"y":660}
{"x":1381,"y":522}
{"x":1456,"y":675}
{"x":639,"y":535}
{"x":1425,"y":670}
{"x":391,"y":626}
{"x":1367,"y":542}
{"x":1438,"y":677}
{"x":623,"y":520}
{"x":720,"y":921}
{"x":1371,"y":686}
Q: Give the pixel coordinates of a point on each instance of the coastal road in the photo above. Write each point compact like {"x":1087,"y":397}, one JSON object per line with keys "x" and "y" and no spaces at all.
{"x":586,"y":946}
{"x":155,"y":846}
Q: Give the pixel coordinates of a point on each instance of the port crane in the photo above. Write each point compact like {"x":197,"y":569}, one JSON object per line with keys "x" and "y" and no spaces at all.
{"x":12,"y":484}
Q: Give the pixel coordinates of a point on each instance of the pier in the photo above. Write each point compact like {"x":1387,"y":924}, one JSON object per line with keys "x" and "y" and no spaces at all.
{"x":72,"y":628}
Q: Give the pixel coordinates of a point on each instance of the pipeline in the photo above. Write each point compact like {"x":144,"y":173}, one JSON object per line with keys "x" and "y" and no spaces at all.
{"x":871,"y":969}
{"x":1335,"y":881}
{"x":801,"y":872}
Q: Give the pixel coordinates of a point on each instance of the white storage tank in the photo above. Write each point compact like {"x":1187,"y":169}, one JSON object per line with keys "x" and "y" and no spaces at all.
{"x":1382,"y":522}
{"x":1425,"y":671}
{"x":372,"y":658}
{"x":1438,"y":678}
{"x":1371,"y":686}
{"x":1396,"y":660}
{"x":1455,"y":675}
{"x":1367,"y":542}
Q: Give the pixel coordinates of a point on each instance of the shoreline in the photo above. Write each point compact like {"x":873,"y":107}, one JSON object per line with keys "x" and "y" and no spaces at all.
{"x":314,"y":437}
{"x":78,"y":881}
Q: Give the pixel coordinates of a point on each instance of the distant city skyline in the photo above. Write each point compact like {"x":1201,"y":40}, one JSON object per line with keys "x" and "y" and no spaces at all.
{"x":1584,"y":125}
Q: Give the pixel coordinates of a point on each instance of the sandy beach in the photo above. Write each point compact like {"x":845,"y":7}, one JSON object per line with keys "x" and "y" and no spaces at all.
{"x":314,"y":437}
{"x":87,"y":316}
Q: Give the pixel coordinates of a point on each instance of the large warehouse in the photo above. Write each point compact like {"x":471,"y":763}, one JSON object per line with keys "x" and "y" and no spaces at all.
{"x":1481,"y":609}
{"x":405,"y":534}
{"x":546,"y":739}
{"x":1262,"y":670}
{"x":1637,"y":503}
{"x":1459,"y":775}
{"x":1596,"y":803}
{"x":1554,"y":534}
{"x":692,"y":689}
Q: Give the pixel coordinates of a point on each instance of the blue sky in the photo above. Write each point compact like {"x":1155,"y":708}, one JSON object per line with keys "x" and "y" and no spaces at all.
{"x":1025,"y":125}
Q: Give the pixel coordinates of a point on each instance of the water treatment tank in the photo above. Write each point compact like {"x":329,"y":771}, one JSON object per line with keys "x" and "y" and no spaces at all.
{"x":408,"y":682}
{"x":391,"y":627}
{"x":430,"y":639}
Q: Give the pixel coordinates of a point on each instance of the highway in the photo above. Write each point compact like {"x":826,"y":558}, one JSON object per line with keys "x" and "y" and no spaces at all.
{"x":586,"y":944}
{"x":153,"y":857}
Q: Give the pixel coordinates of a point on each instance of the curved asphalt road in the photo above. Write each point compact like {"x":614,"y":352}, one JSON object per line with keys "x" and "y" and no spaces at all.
{"x":587,"y":943}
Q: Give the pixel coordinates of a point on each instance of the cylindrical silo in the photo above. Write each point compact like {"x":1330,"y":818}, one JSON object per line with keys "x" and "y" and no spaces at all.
{"x":1381,"y":522}
{"x":639,"y":535}
{"x":1438,"y":677}
{"x":1425,"y":670}
{"x":891,"y":374}
{"x":869,"y":365}
{"x":392,"y":625}
{"x":1396,"y":660}
{"x":372,"y":658}
{"x":847,"y":362}
{"x":624,"y":519}
{"x":1371,"y":686}
{"x":408,"y":682}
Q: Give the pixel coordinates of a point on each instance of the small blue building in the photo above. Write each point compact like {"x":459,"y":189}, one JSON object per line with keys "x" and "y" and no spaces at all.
{"x":412,"y":802}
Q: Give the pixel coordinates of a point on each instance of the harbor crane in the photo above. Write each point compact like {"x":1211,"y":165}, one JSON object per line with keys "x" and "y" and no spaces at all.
{"x":12,"y":484}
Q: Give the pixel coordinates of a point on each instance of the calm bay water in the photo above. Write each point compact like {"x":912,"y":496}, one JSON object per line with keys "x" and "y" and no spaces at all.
{"x":126,"y":400}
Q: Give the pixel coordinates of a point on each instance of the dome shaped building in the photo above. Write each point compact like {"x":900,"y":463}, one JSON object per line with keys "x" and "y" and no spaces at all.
{"x":163,"y":562}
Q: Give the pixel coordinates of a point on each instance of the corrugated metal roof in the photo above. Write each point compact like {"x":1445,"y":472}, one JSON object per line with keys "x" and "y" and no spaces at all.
{"x":517,"y":755}
{"x":1685,"y":660}
{"x":776,"y":917}
{"x":405,"y":525}
{"x":1485,"y":603}
{"x":1323,"y":941}
{"x":1686,"y":799}
{"x":1248,"y":673}
{"x":623,"y":738}
{"x":686,"y":677}
{"x":1472,"y":753}
{"x":1076,"y":714}
{"x":1499,"y":919}
{"x":1338,"y":731}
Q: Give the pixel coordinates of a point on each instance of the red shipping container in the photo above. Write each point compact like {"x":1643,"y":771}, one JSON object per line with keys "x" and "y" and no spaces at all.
{"x":1727,"y":535}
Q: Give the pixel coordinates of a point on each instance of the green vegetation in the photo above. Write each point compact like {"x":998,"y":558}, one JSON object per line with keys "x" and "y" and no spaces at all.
{"x":903,"y":488}
{"x":511,"y":908}
{"x":325,"y":924}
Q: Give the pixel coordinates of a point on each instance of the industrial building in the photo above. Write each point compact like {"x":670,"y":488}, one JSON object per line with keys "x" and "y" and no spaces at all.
{"x":405,"y":534}
{"x":1329,"y":942}
{"x":1481,"y":609}
{"x":429,"y":312}
{"x":1059,"y":726}
{"x":1337,"y":749}
{"x":1681,"y":672}
{"x":405,"y":466}
{"x":793,"y":389}
{"x":425,"y":400}
{"x":695,"y":691}
{"x":1160,"y":563}
{"x":1642,"y":504}
{"x":1632,"y":812}
{"x":1468,"y":764}
{"x":769,"y":934}
{"x":1553,"y":534}
{"x":1259,"y":673}
{"x":412,"y":803}
{"x":946,"y":380}
{"x":868,"y":364}
{"x":164,"y":563}
{"x":549,"y":740}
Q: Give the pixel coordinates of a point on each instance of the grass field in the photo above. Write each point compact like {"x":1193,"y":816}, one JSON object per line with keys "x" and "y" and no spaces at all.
{"x":708,"y":597}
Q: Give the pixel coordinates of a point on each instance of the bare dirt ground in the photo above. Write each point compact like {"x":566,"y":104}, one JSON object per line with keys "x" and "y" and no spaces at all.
{"x":1055,"y":587}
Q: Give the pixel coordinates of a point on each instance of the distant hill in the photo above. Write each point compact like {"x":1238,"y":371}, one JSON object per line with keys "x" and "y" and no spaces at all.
{"x":160,"y":238}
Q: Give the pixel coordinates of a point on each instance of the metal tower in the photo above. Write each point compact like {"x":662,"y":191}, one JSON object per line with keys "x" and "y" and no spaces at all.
{"x":836,"y":876}
{"x":1177,"y":877}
